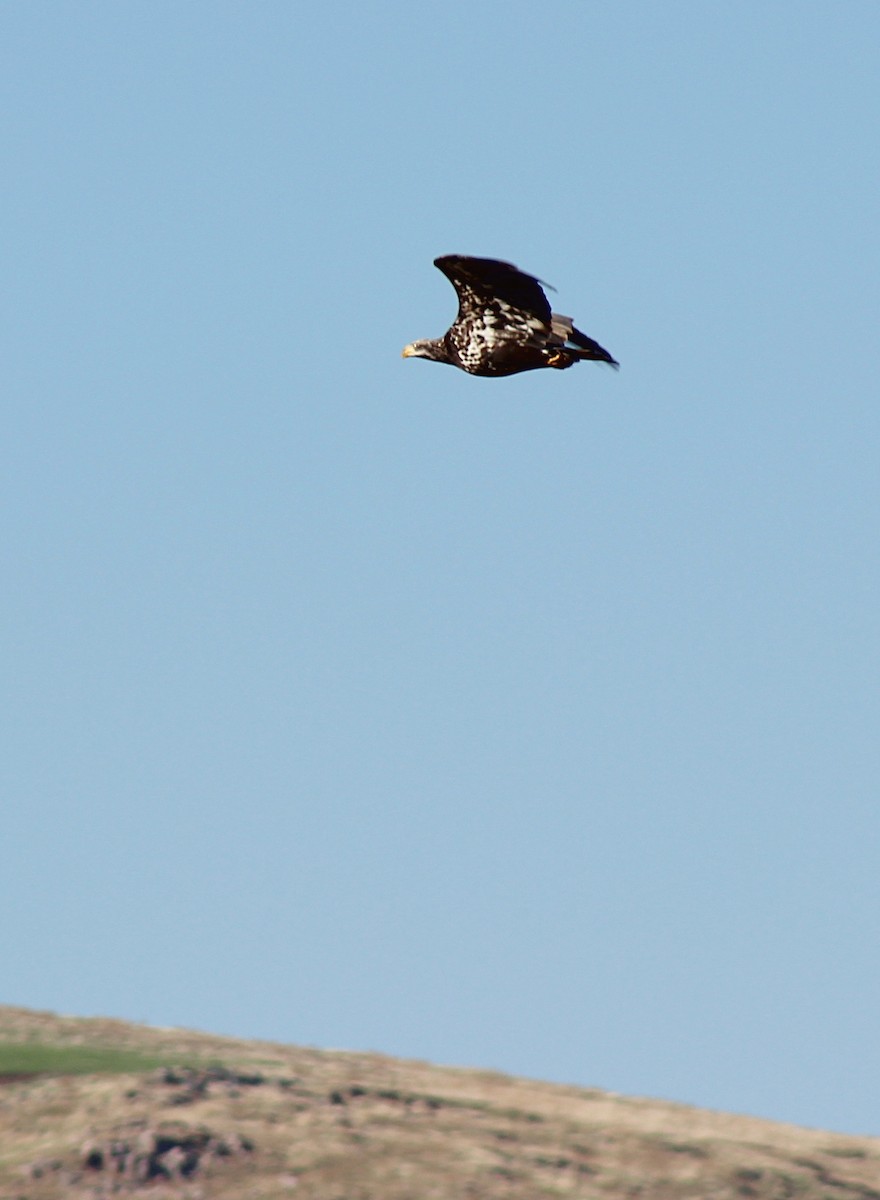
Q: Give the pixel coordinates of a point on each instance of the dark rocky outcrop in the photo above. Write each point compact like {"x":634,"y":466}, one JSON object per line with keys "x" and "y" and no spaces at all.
{"x":170,"y":1151}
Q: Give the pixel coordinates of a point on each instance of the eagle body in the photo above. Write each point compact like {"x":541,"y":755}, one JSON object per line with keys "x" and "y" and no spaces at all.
{"x":504,"y":324}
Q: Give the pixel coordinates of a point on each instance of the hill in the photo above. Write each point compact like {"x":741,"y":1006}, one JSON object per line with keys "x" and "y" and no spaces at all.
{"x":95,"y":1107}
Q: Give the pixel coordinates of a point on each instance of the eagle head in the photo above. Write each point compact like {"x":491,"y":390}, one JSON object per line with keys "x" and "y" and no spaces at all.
{"x":432,"y":348}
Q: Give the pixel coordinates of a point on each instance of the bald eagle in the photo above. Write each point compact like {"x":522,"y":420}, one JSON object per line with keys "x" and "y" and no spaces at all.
{"x":504,"y":323}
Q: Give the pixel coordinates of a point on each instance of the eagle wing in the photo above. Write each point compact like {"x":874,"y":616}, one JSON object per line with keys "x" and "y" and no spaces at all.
{"x":499,"y":308}
{"x":484,"y":282}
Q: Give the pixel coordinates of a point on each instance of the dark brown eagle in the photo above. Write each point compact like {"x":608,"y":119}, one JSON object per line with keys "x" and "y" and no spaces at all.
{"x":504,"y":323}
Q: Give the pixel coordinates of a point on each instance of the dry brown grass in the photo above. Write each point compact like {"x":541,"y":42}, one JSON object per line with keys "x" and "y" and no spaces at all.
{"x":342,"y":1126}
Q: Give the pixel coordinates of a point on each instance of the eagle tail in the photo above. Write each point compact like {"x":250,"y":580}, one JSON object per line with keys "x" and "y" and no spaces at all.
{"x":586,"y":348}
{"x":578,"y":343}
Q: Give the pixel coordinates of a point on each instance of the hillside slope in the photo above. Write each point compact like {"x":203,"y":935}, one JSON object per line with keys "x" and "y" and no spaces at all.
{"x":170,"y":1113}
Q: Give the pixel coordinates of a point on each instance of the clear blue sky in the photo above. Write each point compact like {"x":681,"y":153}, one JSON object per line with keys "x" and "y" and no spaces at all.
{"x":529,"y":724}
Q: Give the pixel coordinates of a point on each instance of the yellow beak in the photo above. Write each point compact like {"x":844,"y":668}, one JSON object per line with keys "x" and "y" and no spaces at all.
{"x":408,"y":352}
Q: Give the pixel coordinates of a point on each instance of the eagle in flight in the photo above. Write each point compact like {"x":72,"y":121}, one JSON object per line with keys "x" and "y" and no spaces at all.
{"x":504,"y":323}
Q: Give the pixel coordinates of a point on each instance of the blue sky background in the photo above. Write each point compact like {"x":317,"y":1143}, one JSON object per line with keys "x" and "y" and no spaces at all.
{"x":529,"y":724}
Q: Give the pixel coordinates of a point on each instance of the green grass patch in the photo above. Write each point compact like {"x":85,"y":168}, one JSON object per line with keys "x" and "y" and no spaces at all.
{"x":38,"y":1058}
